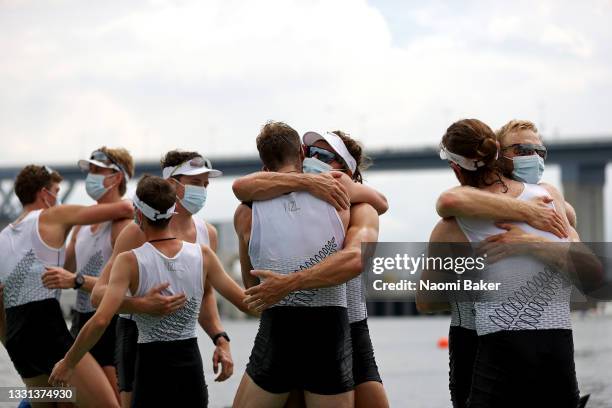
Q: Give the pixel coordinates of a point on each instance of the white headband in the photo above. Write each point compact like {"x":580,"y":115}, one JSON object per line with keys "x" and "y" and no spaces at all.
{"x":150,"y":212}
{"x":462,"y":161}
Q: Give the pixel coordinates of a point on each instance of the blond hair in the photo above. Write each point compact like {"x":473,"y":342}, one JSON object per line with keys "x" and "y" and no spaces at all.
{"x":515,"y":125}
{"x":125,"y":160}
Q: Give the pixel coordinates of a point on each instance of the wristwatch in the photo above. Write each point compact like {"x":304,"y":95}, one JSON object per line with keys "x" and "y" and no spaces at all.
{"x":221,"y":334}
{"x":79,"y":280}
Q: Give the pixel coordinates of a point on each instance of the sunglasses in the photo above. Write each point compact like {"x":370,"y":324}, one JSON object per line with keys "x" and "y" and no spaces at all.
{"x":527,"y":149}
{"x":198,"y":161}
{"x":48,"y":169}
{"x":100,"y":156}
{"x":324,"y":155}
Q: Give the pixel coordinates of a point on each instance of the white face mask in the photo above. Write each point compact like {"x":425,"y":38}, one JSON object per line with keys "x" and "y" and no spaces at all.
{"x":315,"y":166}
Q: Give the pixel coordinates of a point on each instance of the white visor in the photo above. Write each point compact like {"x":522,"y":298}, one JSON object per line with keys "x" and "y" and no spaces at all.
{"x":84,"y":165}
{"x":110,"y":164}
{"x":150,"y":212}
{"x":335,"y":142}
{"x":192,"y":167}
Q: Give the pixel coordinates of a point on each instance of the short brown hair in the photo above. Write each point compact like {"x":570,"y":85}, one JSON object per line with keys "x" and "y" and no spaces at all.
{"x":356,"y":150}
{"x":473,"y":139}
{"x":278,"y":144}
{"x":158,"y":194}
{"x":176,"y":157}
{"x":31,"y":179}
{"x":122,"y":157}
{"x":515,"y":125}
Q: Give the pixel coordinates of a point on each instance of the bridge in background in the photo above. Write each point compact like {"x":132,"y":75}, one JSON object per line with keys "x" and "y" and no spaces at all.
{"x":582,"y":163}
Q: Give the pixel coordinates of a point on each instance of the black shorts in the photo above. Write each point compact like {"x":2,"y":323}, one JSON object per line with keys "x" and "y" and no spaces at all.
{"x":364,"y":363}
{"x":104,"y":350}
{"x":125,"y":353}
{"x":306,"y":348}
{"x":462,"y":348}
{"x":525,"y":368}
{"x":169,"y":374}
{"x":36,"y":337}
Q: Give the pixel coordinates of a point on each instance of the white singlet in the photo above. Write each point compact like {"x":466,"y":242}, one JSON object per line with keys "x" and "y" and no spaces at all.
{"x":294,"y":232}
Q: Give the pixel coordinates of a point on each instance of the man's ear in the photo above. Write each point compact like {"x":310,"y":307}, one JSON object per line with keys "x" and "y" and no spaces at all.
{"x":117,"y":180}
{"x":40,"y":195}
{"x":303,"y":152}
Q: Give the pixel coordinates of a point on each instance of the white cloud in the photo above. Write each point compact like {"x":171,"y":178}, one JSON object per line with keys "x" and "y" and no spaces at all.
{"x":154,"y":75}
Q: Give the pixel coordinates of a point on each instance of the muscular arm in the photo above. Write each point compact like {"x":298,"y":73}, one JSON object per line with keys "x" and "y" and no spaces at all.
{"x":360,"y":193}
{"x":445,"y":231}
{"x":56,"y":277}
{"x":242,"y":225}
{"x":334,"y":187}
{"x":266,"y":185}
{"x":209,"y":313}
{"x":466,"y":201}
{"x":70,"y":261}
{"x":559,"y":203}
{"x":69,"y":215}
{"x":124,"y":268}
{"x":221,"y":281}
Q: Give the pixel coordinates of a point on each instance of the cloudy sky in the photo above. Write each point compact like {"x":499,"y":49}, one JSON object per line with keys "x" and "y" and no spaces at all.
{"x":154,"y":75}
{"x":205,"y":75}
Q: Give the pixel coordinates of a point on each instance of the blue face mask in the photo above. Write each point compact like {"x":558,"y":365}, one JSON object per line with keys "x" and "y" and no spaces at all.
{"x":94,"y":186}
{"x":528,"y":169}
{"x":194,"y":198}
{"x":315,"y":166}
{"x":57,"y":201}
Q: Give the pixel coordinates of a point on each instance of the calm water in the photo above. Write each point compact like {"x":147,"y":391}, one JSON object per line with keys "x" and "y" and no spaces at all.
{"x":414,"y":370}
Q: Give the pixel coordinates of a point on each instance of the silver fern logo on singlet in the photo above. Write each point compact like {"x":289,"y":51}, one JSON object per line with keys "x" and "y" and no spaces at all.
{"x":24,"y":284}
{"x":179,"y":325}
{"x":306,"y":297}
{"x":528,"y":304}
{"x":93,"y":267}
{"x":16,"y":281}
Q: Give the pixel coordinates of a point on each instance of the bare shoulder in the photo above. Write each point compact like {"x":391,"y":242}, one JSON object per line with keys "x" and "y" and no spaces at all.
{"x":552,"y":190}
{"x":206,"y":250}
{"x":212,"y":230}
{"x":345,"y":179}
{"x":447,"y":230}
{"x":130,"y":237}
{"x":242,"y":217}
{"x":363,"y":210}
{"x":118,"y":226}
{"x":127,"y":258}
